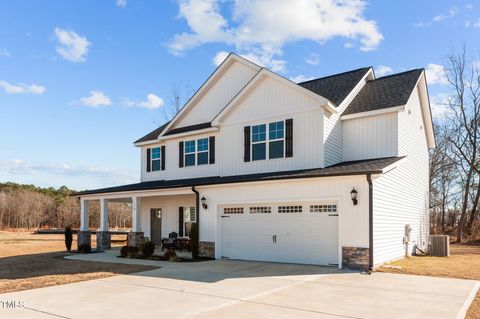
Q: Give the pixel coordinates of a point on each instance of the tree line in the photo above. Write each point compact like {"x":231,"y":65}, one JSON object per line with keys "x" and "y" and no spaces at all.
{"x":31,"y":207}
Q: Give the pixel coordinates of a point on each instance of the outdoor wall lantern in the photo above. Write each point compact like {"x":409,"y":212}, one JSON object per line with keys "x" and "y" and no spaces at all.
{"x":204,"y":202}
{"x":353,"y":194}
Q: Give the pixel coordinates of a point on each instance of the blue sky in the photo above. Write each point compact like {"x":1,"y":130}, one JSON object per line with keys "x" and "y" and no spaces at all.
{"x":81,"y":80}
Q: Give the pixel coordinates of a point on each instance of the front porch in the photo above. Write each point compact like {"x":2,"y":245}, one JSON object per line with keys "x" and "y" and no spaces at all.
{"x":163,"y":217}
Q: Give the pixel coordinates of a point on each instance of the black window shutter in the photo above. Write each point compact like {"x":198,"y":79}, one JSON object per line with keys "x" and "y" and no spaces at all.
{"x":212,"y":149}
{"x":289,"y":138}
{"x":148,"y":159}
{"x":180,"y":154}
{"x":180,"y":221}
{"x":163,"y":157}
{"x":246,"y":144}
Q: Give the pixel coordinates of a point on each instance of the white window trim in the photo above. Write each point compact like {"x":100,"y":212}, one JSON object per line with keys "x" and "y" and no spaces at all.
{"x":155,"y":159}
{"x":196,"y":152}
{"x":267,"y":141}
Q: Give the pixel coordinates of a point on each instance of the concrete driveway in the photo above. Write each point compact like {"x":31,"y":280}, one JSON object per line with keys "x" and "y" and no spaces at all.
{"x":240,"y":289}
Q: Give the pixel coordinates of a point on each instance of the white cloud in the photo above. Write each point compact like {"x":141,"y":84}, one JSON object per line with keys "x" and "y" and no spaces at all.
{"x":153,"y":102}
{"x":4,"y":52}
{"x":72,"y":46}
{"x":22,"y":167}
{"x":301,"y":78}
{"x":477,"y":24}
{"x":121,"y":3}
{"x":451,"y":13}
{"x":219,"y":57}
{"x":96,"y":98}
{"x":262,"y":36}
{"x":436,"y":74}
{"x":313,"y":59}
{"x":22,"y":88}
{"x":349,"y":45}
{"x":440,"y":105}
{"x":383,"y":70}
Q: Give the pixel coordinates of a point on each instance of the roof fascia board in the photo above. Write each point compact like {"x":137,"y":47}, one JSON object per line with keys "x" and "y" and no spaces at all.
{"x":201,"y":131}
{"x":426,"y":110}
{"x":392,"y":109}
{"x":217,"y":73}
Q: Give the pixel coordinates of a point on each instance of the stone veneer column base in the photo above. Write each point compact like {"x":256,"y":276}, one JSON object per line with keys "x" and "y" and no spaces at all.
{"x":206,"y":249}
{"x":135,"y":239}
{"x":104,"y":240}
{"x":84,"y":237}
{"x":355,"y":258}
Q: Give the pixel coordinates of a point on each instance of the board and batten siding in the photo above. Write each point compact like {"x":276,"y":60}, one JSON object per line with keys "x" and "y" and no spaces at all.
{"x":370,"y":137}
{"x":271,"y":101}
{"x":401,"y":195}
{"x":217,"y":97}
{"x":353,"y":220}
{"x":333,"y":133}
{"x":169,"y":206}
{"x":152,"y":175}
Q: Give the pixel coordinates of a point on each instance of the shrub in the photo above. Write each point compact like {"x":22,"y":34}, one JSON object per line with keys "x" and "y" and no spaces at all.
{"x":170,"y":255}
{"x":68,"y":238}
{"x":147,"y":248}
{"x":84,"y":248}
{"x":127,"y":250}
{"x":194,"y":237}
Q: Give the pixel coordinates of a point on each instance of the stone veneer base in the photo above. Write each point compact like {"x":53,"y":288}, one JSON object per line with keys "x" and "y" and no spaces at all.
{"x":104,"y":240}
{"x":206,"y":249}
{"x":135,"y":239}
{"x":84,"y":237}
{"x":356,"y":258}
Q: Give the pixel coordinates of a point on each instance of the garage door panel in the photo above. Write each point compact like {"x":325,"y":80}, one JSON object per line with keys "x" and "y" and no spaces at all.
{"x":305,"y":237}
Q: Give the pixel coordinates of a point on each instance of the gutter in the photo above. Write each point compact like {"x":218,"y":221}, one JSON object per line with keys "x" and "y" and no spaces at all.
{"x":370,"y":223}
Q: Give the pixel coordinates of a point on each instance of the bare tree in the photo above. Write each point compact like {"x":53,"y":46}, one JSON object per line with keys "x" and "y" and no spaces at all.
{"x":464,"y":129}
{"x":178,"y":97}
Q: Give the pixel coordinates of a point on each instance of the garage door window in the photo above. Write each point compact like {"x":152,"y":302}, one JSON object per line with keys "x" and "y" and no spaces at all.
{"x":233,"y":210}
{"x":324,"y":208}
{"x":260,"y":210}
{"x":290,"y":209}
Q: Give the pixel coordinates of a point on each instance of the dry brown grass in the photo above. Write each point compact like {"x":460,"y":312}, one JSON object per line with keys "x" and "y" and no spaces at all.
{"x":33,"y":261}
{"x":464,"y":263}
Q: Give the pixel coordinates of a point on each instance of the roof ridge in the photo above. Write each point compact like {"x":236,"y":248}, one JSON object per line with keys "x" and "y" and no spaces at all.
{"x":333,"y":75}
{"x":396,"y":74}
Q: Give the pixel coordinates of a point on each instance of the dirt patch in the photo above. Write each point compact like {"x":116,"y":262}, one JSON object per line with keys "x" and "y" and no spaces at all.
{"x":33,"y":261}
{"x":464,"y":263}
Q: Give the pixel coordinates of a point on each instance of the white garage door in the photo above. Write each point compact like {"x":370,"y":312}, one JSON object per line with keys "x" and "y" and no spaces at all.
{"x":304,"y":233}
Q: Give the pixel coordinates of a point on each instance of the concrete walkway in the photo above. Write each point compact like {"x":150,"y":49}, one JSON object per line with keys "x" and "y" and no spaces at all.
{"x":241,"y":289}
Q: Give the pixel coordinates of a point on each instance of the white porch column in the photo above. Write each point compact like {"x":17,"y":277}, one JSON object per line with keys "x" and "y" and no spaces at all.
{"x":84,"y":214}
{"x":136,"y":215}
{"x":103,"y":214}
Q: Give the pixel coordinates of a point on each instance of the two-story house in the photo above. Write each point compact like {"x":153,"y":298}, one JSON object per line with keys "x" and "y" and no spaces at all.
{"x":332,"y":171}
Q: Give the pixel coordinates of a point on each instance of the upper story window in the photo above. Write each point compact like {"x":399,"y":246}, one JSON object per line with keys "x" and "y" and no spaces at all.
{"x":272,"y":143}
{"x":197,"y":152}
{"x":156,"y":159}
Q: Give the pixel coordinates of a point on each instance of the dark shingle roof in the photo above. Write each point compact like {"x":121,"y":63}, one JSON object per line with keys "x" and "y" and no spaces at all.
{"x":189,"y":128}
{"x":153,"y":134}
{"x":335,"y":87}
{"x":388,"y":91}
{"x":369,"y":166}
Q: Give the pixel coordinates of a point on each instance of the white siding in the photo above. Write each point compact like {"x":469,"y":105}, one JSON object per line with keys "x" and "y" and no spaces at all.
{"x":333,"y":135}
{"x":169,"y":206}
{"x":217,"y":97}
{"x":370,"y":137}
{"x":150,"y":176}
{"x":353,"y":220}
{"x":272,"y":101}
{"x":401,"y":195}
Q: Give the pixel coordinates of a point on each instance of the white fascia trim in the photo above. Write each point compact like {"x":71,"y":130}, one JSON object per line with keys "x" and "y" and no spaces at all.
{"x":210,"y":81}
{"x":426,"y":111}
{"x":143,"y":193}
{"x":196,"y":132}
{"x":146,"y":143}
{"x":325,"y":103}
{"x":373,"y":113}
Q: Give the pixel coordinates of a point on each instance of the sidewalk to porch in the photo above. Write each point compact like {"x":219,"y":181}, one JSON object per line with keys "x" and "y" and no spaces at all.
{"x":111,"y":256}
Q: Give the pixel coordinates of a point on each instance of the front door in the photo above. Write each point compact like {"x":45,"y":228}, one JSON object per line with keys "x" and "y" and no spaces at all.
{"x":156,"y":225}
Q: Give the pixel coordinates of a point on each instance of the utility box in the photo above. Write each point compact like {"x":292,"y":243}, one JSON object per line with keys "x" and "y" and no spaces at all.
{"x":439,"y":245}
